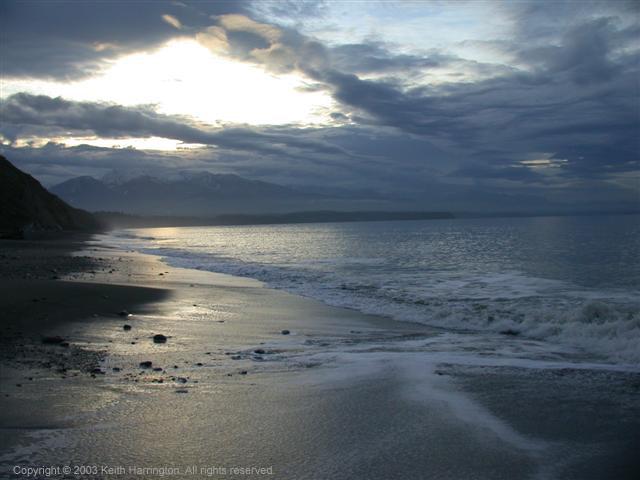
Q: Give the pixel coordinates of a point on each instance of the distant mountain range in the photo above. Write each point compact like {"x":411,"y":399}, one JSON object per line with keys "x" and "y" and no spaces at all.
{"x":192,"y":194}
{"x":26,"y":206}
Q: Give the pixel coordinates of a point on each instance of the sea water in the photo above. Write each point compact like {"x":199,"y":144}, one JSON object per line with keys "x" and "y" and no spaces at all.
{"x":564,"y":280}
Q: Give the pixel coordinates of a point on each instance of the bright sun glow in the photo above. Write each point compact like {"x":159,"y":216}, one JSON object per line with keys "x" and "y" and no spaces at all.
{"x":185,"y":78}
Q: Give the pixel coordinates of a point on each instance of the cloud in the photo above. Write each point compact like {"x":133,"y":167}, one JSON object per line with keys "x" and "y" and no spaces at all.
{"x":173,"y":21}
{"x":27,"y":115}
{"x":373,"y":57}
{"x":289,"y":11}
{"x":565,"y":83}
{"x":512,"y":173}
{"x":571,"y":91}
{"x":69,"y":39}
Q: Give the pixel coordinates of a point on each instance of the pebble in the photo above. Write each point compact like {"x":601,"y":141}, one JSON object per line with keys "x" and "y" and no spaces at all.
{"x":510,"y":332}
{"x":53,"y":340}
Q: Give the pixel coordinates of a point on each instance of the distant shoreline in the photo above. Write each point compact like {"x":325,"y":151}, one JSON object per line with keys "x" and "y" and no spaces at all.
{"x":116,"y":220}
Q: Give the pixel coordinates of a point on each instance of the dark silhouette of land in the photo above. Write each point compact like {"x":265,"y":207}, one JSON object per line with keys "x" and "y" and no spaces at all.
{"x":120,"y":220}
{"x":27,"y":207}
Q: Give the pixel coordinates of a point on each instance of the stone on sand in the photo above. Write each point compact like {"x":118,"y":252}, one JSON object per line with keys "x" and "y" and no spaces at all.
{"x":54,"y":340}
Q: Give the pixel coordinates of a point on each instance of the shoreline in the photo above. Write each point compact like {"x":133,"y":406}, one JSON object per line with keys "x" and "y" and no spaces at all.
{"x":607,"y":345}
{"x":343,"y":393}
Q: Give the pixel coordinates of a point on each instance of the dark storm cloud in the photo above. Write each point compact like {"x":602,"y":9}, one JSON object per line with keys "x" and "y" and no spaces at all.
{"x":24,"y":114}
{"x":518,"y":174}
{"x":68,"y":39}
{"x":586,"y":54}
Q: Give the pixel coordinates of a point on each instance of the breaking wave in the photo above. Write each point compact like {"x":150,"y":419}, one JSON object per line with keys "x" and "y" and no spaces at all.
{"x":604,"y":323}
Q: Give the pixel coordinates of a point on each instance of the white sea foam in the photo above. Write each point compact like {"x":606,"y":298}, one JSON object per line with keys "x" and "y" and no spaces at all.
{"x":419,"y":383}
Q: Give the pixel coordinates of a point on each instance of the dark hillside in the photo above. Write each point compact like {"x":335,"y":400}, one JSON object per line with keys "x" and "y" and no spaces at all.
{"x":26,"y":206}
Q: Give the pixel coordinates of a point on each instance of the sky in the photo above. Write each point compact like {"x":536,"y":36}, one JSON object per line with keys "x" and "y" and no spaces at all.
{"x":463,"y":105}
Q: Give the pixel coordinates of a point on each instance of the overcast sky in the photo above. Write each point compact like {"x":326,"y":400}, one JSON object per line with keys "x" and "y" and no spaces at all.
{"x":465,"y":105}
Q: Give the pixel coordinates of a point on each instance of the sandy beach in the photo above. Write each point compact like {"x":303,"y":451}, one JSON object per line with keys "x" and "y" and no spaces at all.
{"x":253,"y":382}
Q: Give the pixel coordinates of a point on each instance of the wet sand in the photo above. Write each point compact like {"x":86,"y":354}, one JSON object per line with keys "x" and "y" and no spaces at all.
{"x":342,"y":395}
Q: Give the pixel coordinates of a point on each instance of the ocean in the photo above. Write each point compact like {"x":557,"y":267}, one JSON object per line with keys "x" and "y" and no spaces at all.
{"x":569,"y":282}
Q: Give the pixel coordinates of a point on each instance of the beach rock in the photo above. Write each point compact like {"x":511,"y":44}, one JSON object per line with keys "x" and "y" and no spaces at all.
{"x":126,"y":327}
{"x":259,"y":351}
{"x":147,"y":364}
{"x":285,"y":332}
{"x":157,"y":369}
{"x":182,"y":390}
{"x":124,"y":313}
{"x":116,"y":369}
{"x":181,"y":380}
{"x":97,"y":371}
{"x":199,"y":364}
{"x":55,"y":340}
{"x":243,"y":372}
{"x":159,"y":338}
